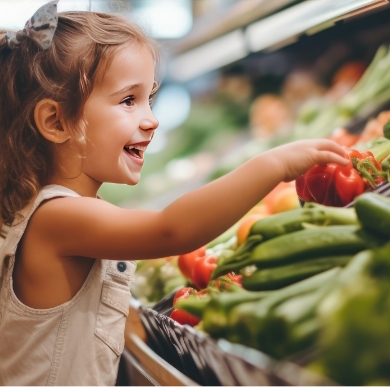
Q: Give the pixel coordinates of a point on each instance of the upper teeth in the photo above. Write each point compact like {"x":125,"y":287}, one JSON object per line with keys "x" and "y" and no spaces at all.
{"x":139,"y":147}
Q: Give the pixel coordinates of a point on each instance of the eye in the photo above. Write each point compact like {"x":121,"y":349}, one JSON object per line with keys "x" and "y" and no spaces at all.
{"x":128,"y":101}
{"x":153,"y":93}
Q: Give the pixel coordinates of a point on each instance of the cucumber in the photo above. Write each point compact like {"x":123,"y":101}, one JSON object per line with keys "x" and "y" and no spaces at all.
{"x":246,"y":321}
{"x":309,"y":243}
{"x":284,"y":223}
{"x":373,"y":211}
{"x":278,"y":277}
{"x":293,"y":220}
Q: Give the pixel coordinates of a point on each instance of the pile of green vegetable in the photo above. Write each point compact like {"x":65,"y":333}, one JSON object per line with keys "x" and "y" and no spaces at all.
{"x":355,"y":336}
{"x":370,"y":92}
{"x":319,"y":279}
{"x":315,"y":234}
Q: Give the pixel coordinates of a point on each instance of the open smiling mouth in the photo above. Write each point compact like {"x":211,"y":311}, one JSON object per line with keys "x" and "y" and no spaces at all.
{"x":135,"y":151}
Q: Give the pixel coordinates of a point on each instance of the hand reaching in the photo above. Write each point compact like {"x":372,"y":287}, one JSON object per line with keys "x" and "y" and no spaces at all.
{"x":296,"y":158}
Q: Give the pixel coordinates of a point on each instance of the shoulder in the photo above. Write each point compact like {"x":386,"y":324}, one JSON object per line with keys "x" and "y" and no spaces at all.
{"x":61,"y":221}
{"x":91,"y":227}
{"x":72,"y":211}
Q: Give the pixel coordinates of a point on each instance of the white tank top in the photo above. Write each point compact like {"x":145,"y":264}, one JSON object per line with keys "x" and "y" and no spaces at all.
{"x":76,"y":343}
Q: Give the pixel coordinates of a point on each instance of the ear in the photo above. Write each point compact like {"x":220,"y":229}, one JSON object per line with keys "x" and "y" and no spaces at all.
{"x":47,"y":119}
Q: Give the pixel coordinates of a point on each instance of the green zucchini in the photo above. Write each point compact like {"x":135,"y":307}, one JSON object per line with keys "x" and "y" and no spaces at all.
{"x":284,"y":223}
{"x":299,"y":246}
{"x":293,"y":220}
{"x":246,"y":321}
{"x":373,"y":211}
{"x":216,"y":313}
{"x":309,"y":243}
{"x":278,"y":277}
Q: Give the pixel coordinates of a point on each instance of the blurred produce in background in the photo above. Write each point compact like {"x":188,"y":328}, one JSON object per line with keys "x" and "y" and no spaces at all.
{"x":156,"y":278}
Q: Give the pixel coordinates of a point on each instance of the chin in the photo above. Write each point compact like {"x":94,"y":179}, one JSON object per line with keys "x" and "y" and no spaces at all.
{"x":134,"y":180}
{"x":129,"y":180}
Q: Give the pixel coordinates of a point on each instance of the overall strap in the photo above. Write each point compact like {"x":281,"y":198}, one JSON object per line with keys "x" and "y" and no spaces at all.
{"x":10,"y":235}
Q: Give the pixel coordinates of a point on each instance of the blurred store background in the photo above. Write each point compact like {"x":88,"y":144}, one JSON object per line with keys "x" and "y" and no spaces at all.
{"x":241,"y":76}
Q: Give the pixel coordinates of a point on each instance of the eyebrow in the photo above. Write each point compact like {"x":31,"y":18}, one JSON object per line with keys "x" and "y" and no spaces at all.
{"x":128,"y":88}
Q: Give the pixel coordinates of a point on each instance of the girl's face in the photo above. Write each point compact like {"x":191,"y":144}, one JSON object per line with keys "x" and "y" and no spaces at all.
{"x":120,"y":123}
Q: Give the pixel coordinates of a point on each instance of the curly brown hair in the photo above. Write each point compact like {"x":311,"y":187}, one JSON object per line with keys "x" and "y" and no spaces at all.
{"x":80,"y":52}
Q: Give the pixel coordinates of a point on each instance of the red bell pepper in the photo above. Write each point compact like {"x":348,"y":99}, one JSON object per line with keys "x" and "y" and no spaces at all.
{"x":368,"y":167}
{"x":186,"y":261}
{"x":336,"y":185}
{"x":348,"y":183}
{"x":181,"y":316}
{"x":330,"y":184}
{"x":203,"y":267}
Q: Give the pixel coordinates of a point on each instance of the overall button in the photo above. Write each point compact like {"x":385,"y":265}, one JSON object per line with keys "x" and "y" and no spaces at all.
{"x":121,"y":266}
{"x":6,"y":260}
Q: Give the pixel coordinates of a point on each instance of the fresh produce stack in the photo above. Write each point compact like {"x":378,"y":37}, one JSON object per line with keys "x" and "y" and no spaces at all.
{"x":197,"y":266}
{"x":294,"y":281}
{"x":304,"y":271}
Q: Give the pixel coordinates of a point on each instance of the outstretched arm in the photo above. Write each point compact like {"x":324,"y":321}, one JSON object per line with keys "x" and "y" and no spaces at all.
{"x":218,"y":205}
{"x":93,"y":228}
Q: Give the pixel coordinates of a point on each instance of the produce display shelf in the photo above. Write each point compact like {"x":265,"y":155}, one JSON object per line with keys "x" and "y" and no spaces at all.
{"x":211,"y":362}
{"x":144,"y":367}
{"x":217,"y":23}
{"x":266,"y":34}
{"x":308,"y":17}
{"x":177,"y":354}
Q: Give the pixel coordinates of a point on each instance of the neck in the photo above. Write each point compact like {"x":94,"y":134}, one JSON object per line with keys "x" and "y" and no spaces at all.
{"x":82,"y":184}
{"x":68,"y":172}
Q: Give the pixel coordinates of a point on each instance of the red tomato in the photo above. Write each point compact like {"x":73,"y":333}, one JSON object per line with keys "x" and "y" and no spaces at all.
{"x":186,"y":261}
{"x":183,"y":293}
{"x":183,"y":317}
{"x":203,"y":267}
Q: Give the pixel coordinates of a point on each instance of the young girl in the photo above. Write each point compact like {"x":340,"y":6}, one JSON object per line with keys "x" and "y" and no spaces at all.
{"x":74,"y":113}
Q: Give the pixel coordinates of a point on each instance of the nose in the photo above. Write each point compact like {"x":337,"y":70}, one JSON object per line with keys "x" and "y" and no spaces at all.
{"x":149,"y":123}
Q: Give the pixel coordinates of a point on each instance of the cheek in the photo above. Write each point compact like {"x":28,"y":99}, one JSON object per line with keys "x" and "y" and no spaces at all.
{"x":107,"y":131}
{"x":103,"y":148}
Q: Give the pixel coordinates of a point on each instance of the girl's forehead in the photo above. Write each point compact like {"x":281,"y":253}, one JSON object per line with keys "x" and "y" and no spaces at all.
{"x":131,"y":64}
{"x":132,"y":54}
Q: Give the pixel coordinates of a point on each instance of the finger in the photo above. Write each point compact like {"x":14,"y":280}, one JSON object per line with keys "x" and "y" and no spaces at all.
{"x":326,"y":157}
{"x":330,"y":145}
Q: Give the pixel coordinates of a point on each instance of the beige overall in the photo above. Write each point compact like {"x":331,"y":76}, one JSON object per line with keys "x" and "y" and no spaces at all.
{"x":76,"y":343}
